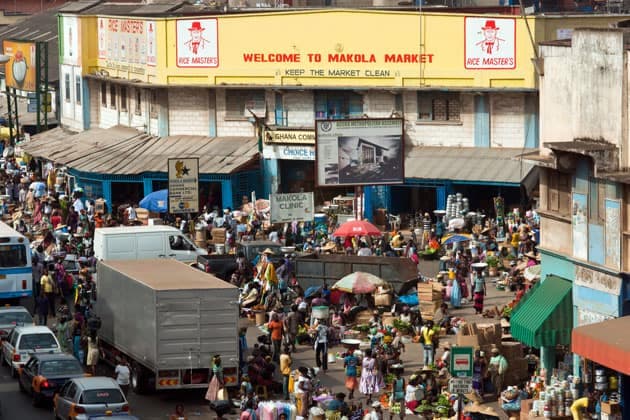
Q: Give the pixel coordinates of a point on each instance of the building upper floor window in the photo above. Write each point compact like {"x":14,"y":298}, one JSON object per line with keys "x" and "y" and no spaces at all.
{"x":559,"y":192}
{"x":338,"y":105}
{"x":112,"y":95}
{"x":77,"y":89}
{"x":433,"y":106}
{"x":238,"y":103}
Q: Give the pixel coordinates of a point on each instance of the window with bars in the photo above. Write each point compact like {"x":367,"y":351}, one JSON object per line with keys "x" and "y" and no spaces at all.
{"x":439,"y":106}
{"x":77,"y":89}
{"x":67,"y":87}
{"x":338,"y":105}
{"x":112,"y":96}
{"x":239,"y":102}
{"x":104,"y":94}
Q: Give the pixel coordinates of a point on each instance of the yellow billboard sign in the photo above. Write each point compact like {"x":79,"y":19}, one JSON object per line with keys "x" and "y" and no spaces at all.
{"x":21,"y":69}
{"x":358,"y":48}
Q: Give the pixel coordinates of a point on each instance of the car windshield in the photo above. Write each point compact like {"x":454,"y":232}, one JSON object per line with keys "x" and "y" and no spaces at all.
{"x":37,"y":341}
{"x":102,"y":396}
{"x":60,"y":367}
{"x":13,"y":318}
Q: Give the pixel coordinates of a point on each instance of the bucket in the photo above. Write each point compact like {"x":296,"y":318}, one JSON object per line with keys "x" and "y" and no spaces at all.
{"x":200,"y":234}
{"x":219,"y":249}
{"x":260,"y":317}
{"x":320,"y":312}
{"x":331,"y":358}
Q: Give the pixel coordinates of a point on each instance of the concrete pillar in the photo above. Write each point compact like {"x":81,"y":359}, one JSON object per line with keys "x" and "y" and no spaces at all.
{"x":368,"y":205}
{"x":226,"y":194}
{"x":107,"y":194}
{"x":548,"y":360}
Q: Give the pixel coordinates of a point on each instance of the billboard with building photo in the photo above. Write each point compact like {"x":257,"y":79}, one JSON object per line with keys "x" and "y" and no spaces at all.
{"x":359,"y":152}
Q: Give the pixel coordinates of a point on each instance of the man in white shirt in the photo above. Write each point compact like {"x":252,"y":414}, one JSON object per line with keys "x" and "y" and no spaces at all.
{"x":122,"y":374}
{"x":364,"y":251}
{"x":78,"y":205}
{"x":273,"y":236}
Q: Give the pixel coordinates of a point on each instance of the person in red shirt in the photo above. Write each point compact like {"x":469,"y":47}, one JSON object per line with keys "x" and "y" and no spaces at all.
{"x":55,"y":219}
{"x":275,"y":327}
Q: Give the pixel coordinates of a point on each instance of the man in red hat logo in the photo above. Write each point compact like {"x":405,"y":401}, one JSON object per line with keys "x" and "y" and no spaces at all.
{"x":197,"y":41}
{"x":491,"y":43}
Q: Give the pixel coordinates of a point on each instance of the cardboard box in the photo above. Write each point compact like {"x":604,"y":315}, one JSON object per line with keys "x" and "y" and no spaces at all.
{"x":467,"y":341}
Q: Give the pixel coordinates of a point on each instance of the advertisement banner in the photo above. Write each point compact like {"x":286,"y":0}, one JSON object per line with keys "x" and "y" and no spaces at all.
{"x":20,"y":71}
{"x":579,"y":223}
{"x":490,"y":43}
{"x":197,"y":43}
{"x":71,"y":52}
{"x":288,"y":152}
{"x":613,"y":233}
{"x":359,"y":152}
{"x":183,"y":185}
{"x":286,"y":208}
{"x":124,"y":43}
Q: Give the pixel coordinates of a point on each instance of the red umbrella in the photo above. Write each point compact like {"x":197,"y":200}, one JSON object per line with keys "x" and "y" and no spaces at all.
{"x":358,"y":227}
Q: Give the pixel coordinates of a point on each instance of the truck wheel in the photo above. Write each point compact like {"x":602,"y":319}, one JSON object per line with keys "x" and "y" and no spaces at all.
{"x":140,"y":380}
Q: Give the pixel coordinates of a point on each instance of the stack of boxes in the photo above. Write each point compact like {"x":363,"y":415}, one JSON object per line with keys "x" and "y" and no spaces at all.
{"x":430,"y":298}
{"x":486,"y":336}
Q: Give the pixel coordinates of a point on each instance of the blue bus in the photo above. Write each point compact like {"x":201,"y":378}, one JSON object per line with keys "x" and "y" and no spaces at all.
{"x":16,"y":270}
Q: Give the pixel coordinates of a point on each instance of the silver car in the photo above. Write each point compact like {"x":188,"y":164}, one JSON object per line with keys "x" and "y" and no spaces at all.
{"x":11,"y":317}
{"x":86,"y":398}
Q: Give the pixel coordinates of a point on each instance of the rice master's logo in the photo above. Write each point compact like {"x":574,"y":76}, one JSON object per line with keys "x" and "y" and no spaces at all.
{"x":181,"y":169}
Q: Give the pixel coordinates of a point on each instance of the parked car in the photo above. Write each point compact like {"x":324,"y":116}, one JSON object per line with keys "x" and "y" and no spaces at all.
{"x":25,"y":341}
{"x":11,"y":317}
{"x":45,"y":374}
{"x":86,"y":398}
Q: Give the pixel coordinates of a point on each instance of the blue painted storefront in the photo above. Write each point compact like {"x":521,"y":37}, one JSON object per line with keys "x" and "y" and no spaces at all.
{"x":233,"y":186}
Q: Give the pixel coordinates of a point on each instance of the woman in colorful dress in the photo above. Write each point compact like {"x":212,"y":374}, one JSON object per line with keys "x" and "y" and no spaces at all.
{"x":350,"y":363}
{"x":371,"y":379}
{"x":216,"y":383}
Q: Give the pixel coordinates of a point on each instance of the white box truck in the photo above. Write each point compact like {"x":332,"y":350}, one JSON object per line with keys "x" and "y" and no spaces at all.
{"x":144,"y":242}
{"x":168,"y":319}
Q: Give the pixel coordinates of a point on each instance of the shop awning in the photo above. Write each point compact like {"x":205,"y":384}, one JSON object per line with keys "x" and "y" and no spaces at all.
{"x":606,"y":343}
{"x":545,"y":316}
{"x":126,"y":151}
{"x":492,"y":165}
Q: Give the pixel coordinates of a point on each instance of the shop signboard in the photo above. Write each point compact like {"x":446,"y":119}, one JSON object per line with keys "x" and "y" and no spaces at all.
{"x":462,"y":361}
{"x":367,"y":151}
{"x":579,"y":224}
{"x":291,"y":207}
{"x":20,"y":70}
{"x":597,"y":280}
{"x":288,"y":152}
{"x":183,"y":185}
{"x":290,"y":137}
{"x":613,"y":233}
{"x":586,"y":317}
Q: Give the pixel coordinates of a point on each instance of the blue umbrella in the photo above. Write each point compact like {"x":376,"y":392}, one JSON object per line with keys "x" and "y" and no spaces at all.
{"x":311,"y":291}
{"x":156,"y":202}
{"x":455,"y":238}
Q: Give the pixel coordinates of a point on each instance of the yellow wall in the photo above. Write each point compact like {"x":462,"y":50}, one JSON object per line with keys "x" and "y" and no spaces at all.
{"x":358,"y":32}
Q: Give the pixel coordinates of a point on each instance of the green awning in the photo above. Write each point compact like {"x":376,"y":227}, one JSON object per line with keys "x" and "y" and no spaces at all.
{"x":545,"y":316}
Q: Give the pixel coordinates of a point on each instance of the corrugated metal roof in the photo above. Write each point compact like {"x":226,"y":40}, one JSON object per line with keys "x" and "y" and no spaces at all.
{"x":78,"y":6}
{"x":39,"y":27}
{"x":126,"y":151}
{"x":467,"y":164}
{"x":156,"y":8}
